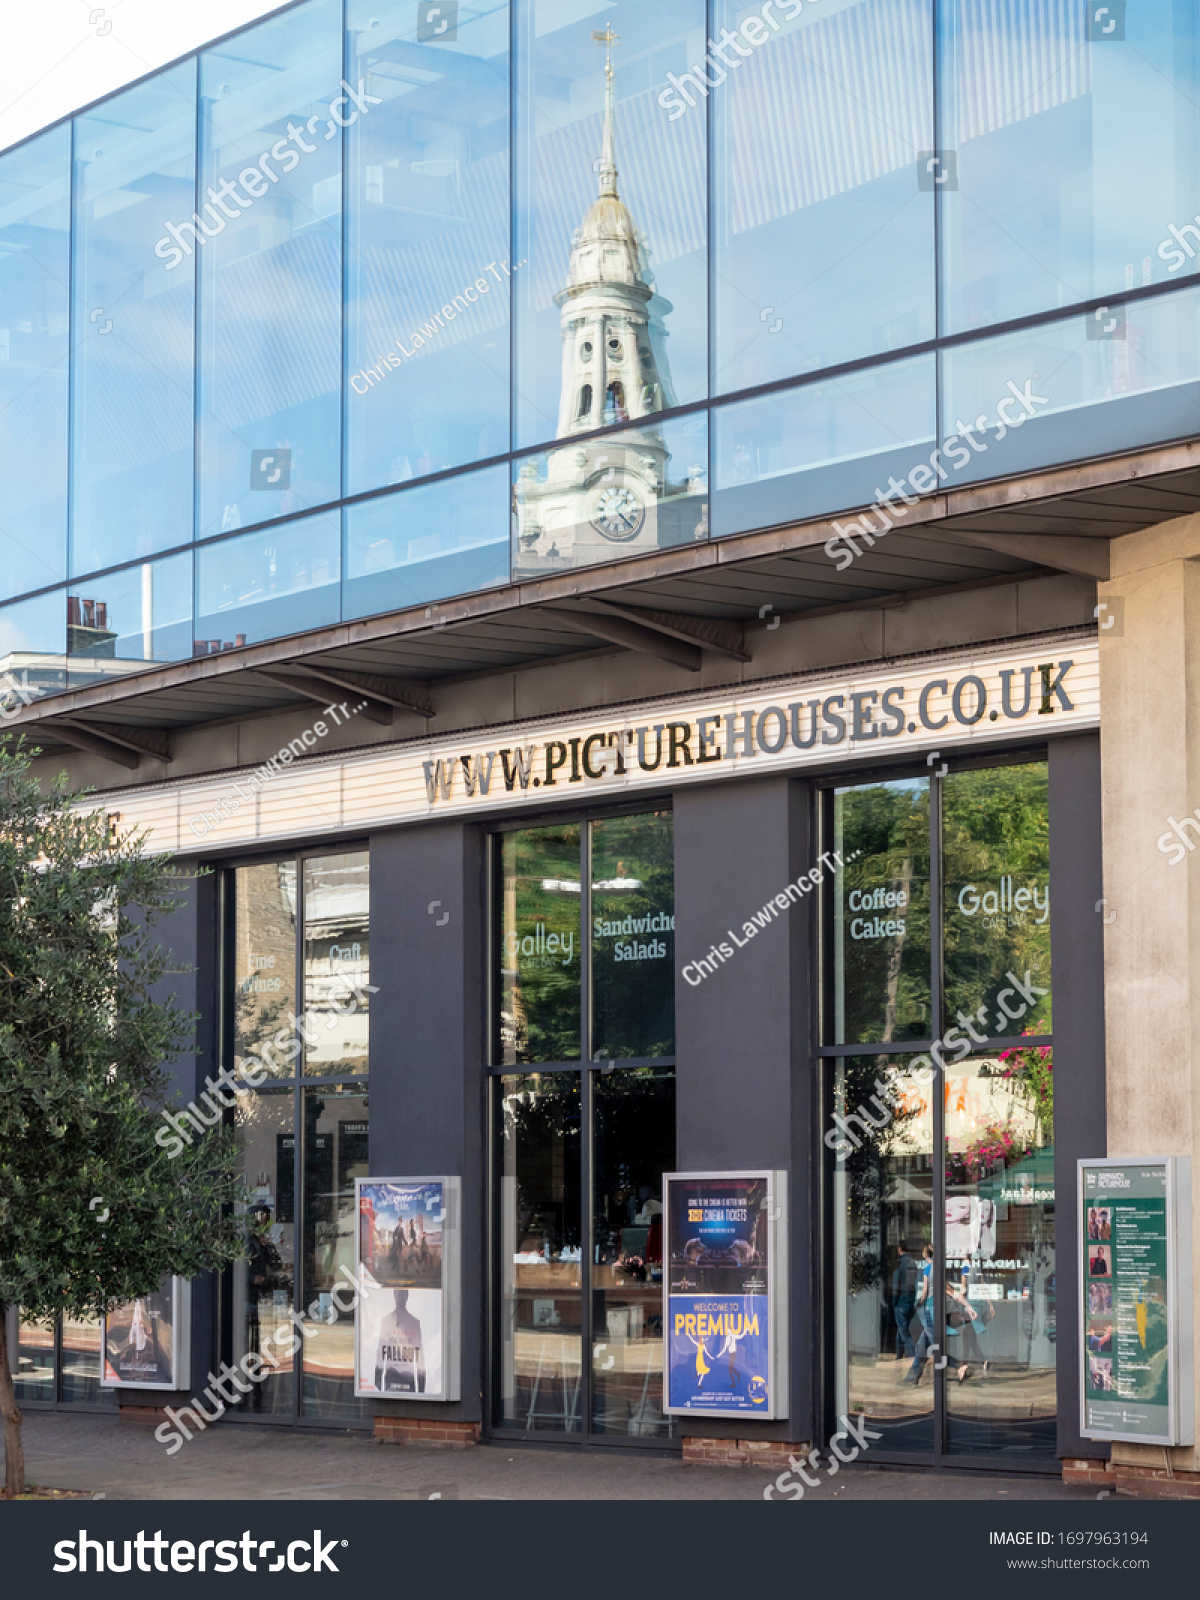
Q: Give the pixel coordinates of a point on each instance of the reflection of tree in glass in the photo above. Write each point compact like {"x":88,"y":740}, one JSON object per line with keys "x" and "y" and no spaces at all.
{"x":996,"y":842}
{"x":540,"y":944}
{"x":264,"y":953}
{"x":874,"y":1168}
{"x":886,"y":985}
{"x":633,"y":885}
{"x":541,"y":1139}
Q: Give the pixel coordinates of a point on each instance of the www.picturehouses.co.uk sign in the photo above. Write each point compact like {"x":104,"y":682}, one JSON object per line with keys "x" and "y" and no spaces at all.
{"x":793,"y":724}
{"x":938,"y":702}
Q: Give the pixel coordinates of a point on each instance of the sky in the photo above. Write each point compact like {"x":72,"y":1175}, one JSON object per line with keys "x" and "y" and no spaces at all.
{"x":59,"y":55}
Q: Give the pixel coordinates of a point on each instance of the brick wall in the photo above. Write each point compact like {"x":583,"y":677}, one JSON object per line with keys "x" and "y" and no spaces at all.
{"x":769,"y":1453}
{"x":440,"y":1432}
{"x":1142,"y":1482}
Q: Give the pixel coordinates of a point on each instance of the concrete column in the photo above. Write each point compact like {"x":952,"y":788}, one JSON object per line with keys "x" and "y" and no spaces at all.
{"x":1150,"y":741}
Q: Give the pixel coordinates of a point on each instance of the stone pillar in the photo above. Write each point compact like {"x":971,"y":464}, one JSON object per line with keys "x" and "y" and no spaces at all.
{"x":1150,"y":742}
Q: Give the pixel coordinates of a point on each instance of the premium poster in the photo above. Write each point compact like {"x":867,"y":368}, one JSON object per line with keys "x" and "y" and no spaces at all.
{"x":145,"y":1340}
{"x":721,"y":1273}
{"x":1130,"y":1361}
{"x":406,"y":1306}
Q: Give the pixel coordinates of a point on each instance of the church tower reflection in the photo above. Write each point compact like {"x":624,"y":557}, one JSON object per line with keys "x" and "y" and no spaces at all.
{"x":610,"y":496}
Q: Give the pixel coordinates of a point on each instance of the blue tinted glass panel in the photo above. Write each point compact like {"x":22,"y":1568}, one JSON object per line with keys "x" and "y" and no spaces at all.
{"x":1075,"y":133}
{"x":135,"y":165}
{"x":820,"y":448}
{"x":270,"y":268}
{"x":33,"y":643}
{"x":623,"y":494}
{"x":130,"y":620}
{"x":610,"y":296}
{"x":427,"y":543}
{"x":428,"y":267}
{"x":823,"y":238}
{"x":35,"y":214}
{"x":1084,"y":386}
{"x":267,"y":584}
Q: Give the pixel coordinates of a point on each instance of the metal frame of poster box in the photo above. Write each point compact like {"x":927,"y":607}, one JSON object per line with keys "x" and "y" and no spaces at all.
{"x":181,"y":1342}
{"x":777,"y":1291}
{"x":451,"y":1289}
{"x":1181,"y":1400}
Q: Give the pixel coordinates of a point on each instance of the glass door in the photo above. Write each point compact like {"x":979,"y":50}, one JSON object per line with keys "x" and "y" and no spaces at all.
{"x":939,"y":1114}
{"x":583,"y":1116}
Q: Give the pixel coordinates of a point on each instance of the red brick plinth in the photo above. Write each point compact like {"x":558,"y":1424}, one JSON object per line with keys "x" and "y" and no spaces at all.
{"x":437,"y":1431}
{"x":770,"y":1453}
{"x":1122,"y":1477}
{"x":144,"y":1416}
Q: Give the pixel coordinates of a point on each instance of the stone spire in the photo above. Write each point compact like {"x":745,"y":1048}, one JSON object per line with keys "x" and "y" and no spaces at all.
{"x":608,"y":161}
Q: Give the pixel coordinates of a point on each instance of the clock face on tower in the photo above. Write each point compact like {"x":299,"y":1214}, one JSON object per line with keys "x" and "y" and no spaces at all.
{"x":619,"y":512}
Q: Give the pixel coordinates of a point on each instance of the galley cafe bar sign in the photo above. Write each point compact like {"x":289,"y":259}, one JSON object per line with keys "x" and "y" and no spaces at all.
{"x":935,"y":702}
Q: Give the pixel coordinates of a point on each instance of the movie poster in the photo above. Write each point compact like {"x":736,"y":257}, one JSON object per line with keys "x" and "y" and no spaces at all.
{"x":718,"y":1288}
{"x":143,"y":1343}
{"x":401,"y":1321}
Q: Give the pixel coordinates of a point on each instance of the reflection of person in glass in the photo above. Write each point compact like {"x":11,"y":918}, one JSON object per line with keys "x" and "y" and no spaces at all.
{"x":400,"y":1352}
{"x":264,"y":1274}
{"x":961,"y":1319}
{"x":904,"y":1298}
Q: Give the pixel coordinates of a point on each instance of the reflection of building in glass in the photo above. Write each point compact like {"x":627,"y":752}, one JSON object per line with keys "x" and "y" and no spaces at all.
{"x":610,"y":496}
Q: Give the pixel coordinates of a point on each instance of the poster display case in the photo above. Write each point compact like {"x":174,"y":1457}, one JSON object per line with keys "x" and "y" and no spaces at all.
{"x":725,"y":1294}
{"x":1135,"y":1253}
{"x":407,"y":1266}
{"x":147,"y":1341}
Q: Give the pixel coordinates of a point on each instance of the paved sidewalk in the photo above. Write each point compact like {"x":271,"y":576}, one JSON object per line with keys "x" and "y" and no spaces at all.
{"x":233,"y":1462}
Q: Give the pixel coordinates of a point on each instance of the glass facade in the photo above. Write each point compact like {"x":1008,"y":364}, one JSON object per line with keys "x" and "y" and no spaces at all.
{"x":297,"y":929}
{"x":583,"y":1081}
{"x":548,"y":258}
{"x":937,"y":940}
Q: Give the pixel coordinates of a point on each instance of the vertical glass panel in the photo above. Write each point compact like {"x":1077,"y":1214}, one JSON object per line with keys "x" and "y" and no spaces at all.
{"x":257,"y":1319}
{"x":1097,"y":113}
{"x":540,"y":1336}
{"x":429,"y":268}
{"x":33,"y":646}
{"x":622,"y":495}
{"x":1085,"y":386}
{"x":35,"y":1360}
{"x":610,"y":293}
{"x":267,"y":584}
{"x":1001,"y":1322}
{"x":633,"y":1144}
{"x":540,"y":945}
{"x":996,"y":897}
{"x":816,"y":144}
{"x":135,"y":167}
{"x":337,"y":963}
{"x":264,"y":972}
{"x":269,"y":241}
{"x":427,"y":543}
{"x":633,"y":936}
{"x":133,"y":619}
{"x":35,"y":220}
{"x":880,"y":913}
{"x":335,"y":1153}
{"x":883,"y":1210}
{"x":821,"y":447}
{"x":82,"y":1355}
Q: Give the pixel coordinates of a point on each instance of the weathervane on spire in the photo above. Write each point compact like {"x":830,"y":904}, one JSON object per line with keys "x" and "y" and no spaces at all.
{"x":608,"y":161}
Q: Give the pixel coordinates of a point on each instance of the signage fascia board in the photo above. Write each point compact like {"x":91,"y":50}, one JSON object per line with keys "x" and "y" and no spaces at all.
{"x":396,"y":783}
{"x":1180,"y":1368}
{"x":777,"y":1407}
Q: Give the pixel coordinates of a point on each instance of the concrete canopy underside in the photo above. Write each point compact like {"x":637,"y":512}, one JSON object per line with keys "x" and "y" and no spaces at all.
{"x":680,"y":605}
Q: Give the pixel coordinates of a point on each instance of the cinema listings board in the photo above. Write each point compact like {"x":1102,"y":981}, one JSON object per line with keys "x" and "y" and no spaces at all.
{"x":1136,"y":1361}
{"x":406,"y":1325}
{"x":725,"y":1292}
